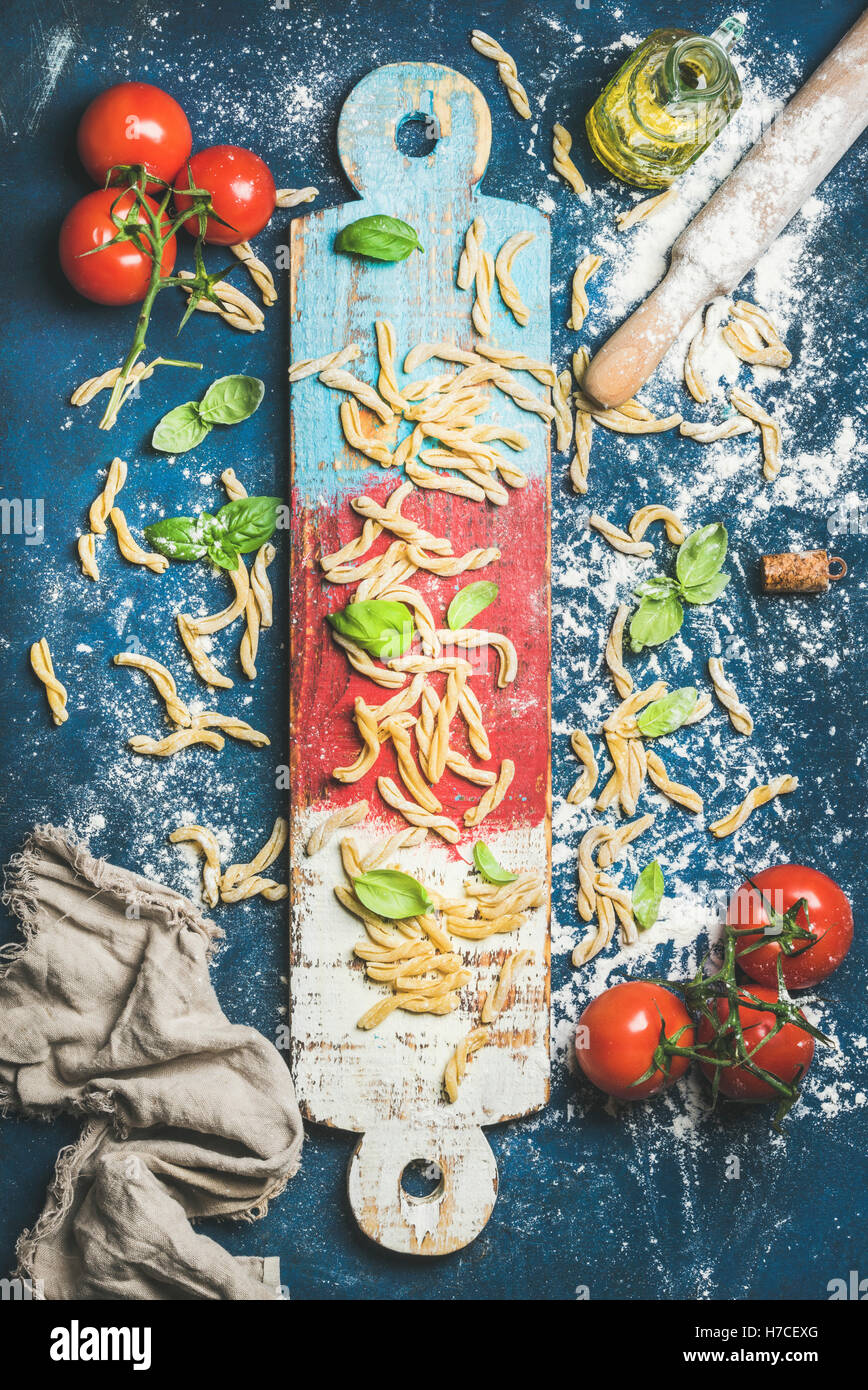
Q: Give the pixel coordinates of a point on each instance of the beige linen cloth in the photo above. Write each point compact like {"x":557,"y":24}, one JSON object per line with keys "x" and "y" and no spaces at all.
{"x":107,"y":1009}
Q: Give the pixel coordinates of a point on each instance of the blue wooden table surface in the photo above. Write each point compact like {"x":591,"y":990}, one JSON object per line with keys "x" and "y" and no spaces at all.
{"x":664,"y":1200}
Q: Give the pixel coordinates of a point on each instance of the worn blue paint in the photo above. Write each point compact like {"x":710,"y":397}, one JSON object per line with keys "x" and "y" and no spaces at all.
{"x":626,"y":1208}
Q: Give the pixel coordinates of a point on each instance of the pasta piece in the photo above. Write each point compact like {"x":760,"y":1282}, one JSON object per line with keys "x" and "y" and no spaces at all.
{"x":620,"y":540}
{"x":347,"y":815}
{"x":174,"y":742}
{"x":505,"y":283}
{"x":562,"y":143}
{"x":291,"y":197}
{"x":390,"y":519}
{"x":351,"y":424}
{"x":233,"y":726}
{"x":252,"y":887}
{"x":131,"y":550}
{"x":387,"y":351}
{"x":438,"y":750}
{"x":682,"y":796}
{"x":481,"y":311}
{"x":448,"y":565}
{"x":446,"y":352}
{"x":622,"y":720}
{"x":215,"y":622}
{"x":699,"y":711}
{"x":580,"y":308}
{"x":416,"y":814}
{"x":584,"y":785}
{"x":428,"y":634}
{"x":413,"y":1003}
{"x":456,"y":1067}
{"x":87,"y":555}
{"x":584,"y":428}
{"x":757,"y":796}
{"x":709,"y":433}
{"x":234,"y":489}
{"x":694,"y":380}
{"x":472,"y":638}
{"x":641,"y":520}
{"x":753,"y":337}
{"x":55,"y":690}
{"x":518,"y":361}
{"x":369,"y":732}
{"x":84,"y":394}
{"x":588,"y":846}
{"x":506,"y":69}
{"x":312,"y":366}
{"x":258,"y":272}
{"x":770,"y":431}
{"x":437,"y":482}
{"x":492,"y":798}
{"x":640,"y":212}
{"x":271,"y":850}
{"x":615,"y":653}
{"x":563,"y":418}
{"x":202,"y":663}
{"x":383,"y":850}
{"x":630,"y":418}
{"x":601,"y":937}
{"x":623,"y":907}
{"x":471,"y":712}
{"x":739,"y":715}
{"x":164,"y":683}
{"x":468,"y":264}
{"x":233,"y":306}
{"x":340,"y":380}
{"x":409,"y":772}
{"x":258,"y":610}
{"x":206,"y":842}
{"x":363,"y":663}
{"x":612,"y":848}
{"x":101,"y":506}
{"x":479,"y":776}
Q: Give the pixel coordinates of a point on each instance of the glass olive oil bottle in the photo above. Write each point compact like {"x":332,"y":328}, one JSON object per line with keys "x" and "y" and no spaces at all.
{"x":665,"y":105}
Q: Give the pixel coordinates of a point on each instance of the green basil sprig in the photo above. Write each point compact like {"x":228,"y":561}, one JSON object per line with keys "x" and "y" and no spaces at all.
{"x":228,"y":400}
{"x":488,"y":866}
{"x":379,"y":237}
{"x":648,"y":895}
{"x":469,"y":601}
{"x":238,"y":528}
{"x":666,"y":715}
{"x":383,"y":627}
{"x":392,"y":894}
{"x":698,"y":580}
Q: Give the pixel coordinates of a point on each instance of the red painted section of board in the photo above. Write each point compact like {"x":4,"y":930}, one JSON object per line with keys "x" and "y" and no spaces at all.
{"x":323,"y":685}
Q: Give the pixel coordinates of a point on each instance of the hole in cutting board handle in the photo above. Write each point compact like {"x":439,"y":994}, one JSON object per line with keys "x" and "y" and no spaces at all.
{"x":422,"y":1180}
{"x":416,"y":135}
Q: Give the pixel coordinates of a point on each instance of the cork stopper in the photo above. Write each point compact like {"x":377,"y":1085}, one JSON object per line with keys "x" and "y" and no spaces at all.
{"x":805,"y":572}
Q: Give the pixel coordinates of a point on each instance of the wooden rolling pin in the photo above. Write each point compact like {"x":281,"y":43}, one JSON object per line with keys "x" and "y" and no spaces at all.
{"x":717,"y":249}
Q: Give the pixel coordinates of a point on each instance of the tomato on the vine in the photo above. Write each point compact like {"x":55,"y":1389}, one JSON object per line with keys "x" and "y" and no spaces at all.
{"x":811,"y":923}
{"x":118,"y":274}
{"x":786,"y":1054}
{"x":134,"y":123}
{"x":623,"y":1035}
{"x":242,"y":193}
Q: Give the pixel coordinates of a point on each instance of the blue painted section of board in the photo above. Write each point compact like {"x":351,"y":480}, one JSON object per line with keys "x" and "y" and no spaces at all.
{"x":625,"y":1208}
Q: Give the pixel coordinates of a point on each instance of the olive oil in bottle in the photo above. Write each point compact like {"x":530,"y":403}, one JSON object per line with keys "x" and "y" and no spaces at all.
{"x":665,"y":105}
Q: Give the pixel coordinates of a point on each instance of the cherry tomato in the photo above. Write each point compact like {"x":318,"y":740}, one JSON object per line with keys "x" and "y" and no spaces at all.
{"x":619,"y":1032}
{"x":118,"y":275}
{"x":787,"y":1055}
{"x":827,"y":915}
{"x":242,"y":193}
{"x":134,"y":123}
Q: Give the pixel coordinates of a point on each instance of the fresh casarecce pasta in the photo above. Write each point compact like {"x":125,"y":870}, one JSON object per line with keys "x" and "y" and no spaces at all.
{"x":506,"y":69}
{"x":756,"y":797}
{"x":739,"y":715}
{"x":55,"y":690}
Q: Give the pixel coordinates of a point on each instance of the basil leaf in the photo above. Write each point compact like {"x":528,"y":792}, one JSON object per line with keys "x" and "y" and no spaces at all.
{"x":706,"y":592}
{"x":379,"y":237}
{"x":655,"y":621}
{"x":666,"y":715}
{"x":658,"y":587}
{"x":648,"y":895}
{"x":221,"y":553}
{"x":469,"y":601}
{"x":701,"y":555}
{"x":181,"y":430}
{"x":178,"y":538}
{"x":392,"y":894}
{"x":249,"y":521}
{"x":488,"y":865}
{"x":230,"y":399}
{"x":383,"y":627}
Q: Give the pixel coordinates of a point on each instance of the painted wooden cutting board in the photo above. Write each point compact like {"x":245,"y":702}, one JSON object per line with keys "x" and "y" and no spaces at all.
{"x":386,"y":1084}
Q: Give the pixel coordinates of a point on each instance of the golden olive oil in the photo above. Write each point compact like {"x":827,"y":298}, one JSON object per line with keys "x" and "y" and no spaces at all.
{"x":665,"y":105}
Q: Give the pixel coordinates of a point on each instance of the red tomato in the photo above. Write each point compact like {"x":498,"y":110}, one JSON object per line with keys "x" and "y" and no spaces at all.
{"x":829,"y":919}
{"x":787,"y":1055}
{"x":618,"y":1035}
{"x":117,"y":275}
{"x":134,"y":123}
{"x":242,"y":193}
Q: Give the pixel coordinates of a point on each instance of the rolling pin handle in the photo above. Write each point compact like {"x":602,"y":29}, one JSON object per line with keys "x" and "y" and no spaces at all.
{"x":446,"y":1219}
